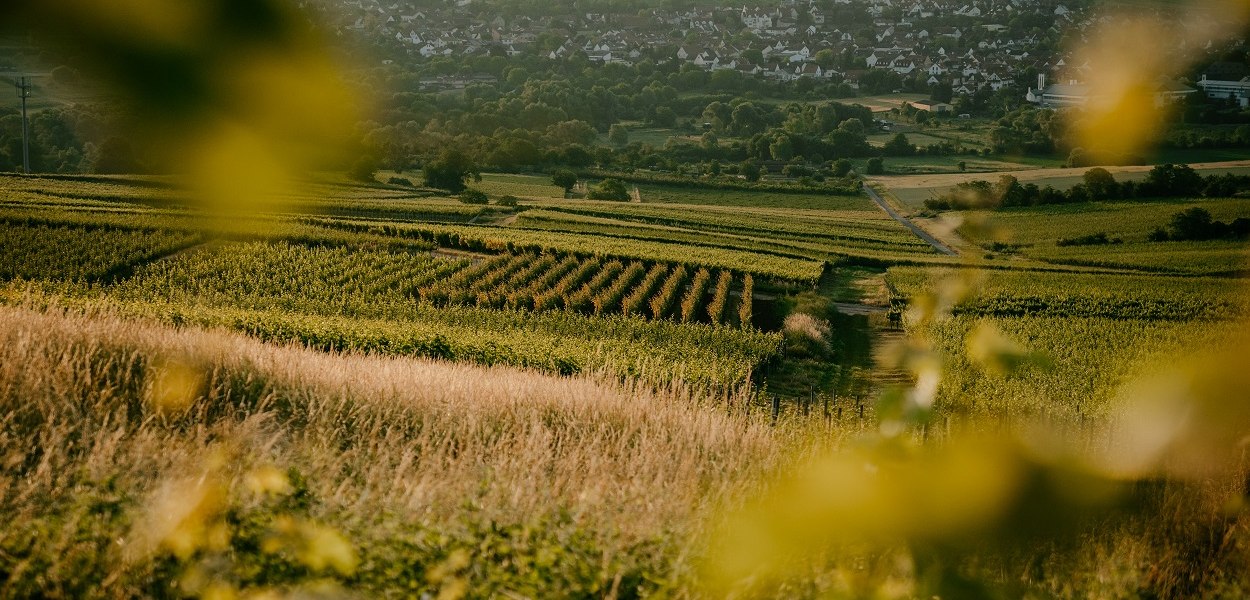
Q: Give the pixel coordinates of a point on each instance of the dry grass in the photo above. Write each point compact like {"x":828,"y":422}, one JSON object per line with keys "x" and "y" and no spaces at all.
{"x":113,"y":434}
{"x":383,"y":442}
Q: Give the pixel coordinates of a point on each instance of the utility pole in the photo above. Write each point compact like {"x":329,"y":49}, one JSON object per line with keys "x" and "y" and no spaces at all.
{"x":23,"y":91}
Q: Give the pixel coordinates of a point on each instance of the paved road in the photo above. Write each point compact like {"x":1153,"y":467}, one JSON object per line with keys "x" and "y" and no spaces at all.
{"x":922,"y":234}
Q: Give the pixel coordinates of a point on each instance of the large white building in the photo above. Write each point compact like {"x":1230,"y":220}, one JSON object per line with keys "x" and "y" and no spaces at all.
{"x":1237,"y":91}
{"x":1059,"y":95}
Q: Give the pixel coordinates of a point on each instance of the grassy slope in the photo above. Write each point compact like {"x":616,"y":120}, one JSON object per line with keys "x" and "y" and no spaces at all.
{"x":592,"y":484}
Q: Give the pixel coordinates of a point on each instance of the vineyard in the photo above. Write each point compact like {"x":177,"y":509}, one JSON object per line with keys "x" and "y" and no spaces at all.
{"x":1006,"y":293}
{"x":1035,"y":233}
{"x":1076,"y":338}
{"x":560,"y":314}
{"x":592,"y":286}
{"x":33,"y":251}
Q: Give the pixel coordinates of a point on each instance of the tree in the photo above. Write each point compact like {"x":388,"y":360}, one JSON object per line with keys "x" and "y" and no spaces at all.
{"x":1191,"y":224}
{"x":748,"y":119}
{"x":471,"y":196}
{"x":609,"y":189}
{"x":826,"y":58}
{"x":450,"y":171}
{"x":1172,"y":180}
{"x":781,"y":148}
{"x":1008,"y":191}
{"x":841,"y":167}
{"x":899,"y":146}
{"x":116,"y":156}
{"x":750,"y":171}
{"x":618,"y":134}
{"x":1100,"y":183}
{"x":876,"y":166}
{"x":363,"y":169}
{"x":565,"y":179}
{"x":664,"y":117}
{"x":852,"y":125}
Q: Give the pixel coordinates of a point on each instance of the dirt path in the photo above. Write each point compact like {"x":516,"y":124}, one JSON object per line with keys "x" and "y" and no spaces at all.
{"x":921,"y":233}
{"x":848,"y":308}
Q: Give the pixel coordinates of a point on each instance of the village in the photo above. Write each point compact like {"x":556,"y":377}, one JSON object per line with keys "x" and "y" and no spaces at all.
{"x":961,"y":46}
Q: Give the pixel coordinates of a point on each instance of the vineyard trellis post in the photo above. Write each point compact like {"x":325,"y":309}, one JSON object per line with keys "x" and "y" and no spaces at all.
{"x":776,"y":408}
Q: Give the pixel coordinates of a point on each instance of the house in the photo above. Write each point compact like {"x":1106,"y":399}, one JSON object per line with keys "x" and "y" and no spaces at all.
{"x":810,"y":70}
{"x":931,"y":106}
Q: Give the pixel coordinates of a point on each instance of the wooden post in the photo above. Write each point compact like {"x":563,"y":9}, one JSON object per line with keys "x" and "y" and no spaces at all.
{"x":776,"y":408}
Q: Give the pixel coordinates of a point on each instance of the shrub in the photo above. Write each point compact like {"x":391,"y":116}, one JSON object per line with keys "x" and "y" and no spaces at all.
{"x":806,"y":335}
{"x":841,"y":167}
{"x":876,"y":166}
{"x":474,"y":197}
{"x":508,"y":200}
{"x":609,"y":189}
{"x":363,"y":169}
{"x":1096,"y":239}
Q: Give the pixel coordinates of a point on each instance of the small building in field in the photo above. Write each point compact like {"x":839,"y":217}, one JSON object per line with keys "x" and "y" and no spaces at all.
{"x":932,"y":106}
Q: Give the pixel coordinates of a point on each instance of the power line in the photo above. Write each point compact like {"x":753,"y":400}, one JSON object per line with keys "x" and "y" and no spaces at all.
{"x":24,"y":87}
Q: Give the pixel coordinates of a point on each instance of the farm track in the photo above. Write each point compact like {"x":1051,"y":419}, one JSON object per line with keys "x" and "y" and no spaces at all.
{"x":884,"y":373}
{"x":921,"y":233}
{"x":848,"y":308}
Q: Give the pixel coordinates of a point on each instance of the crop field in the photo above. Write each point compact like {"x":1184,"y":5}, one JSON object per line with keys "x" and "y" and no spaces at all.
{"x":1078,"y":339}
{"x":708,"y":311}
{"x":913,"y":190}
{"x":1074,"y":368}
{"x":1034,"y":232}
{"x":521,"y":186}
{"x":414,"y":304}
{"x":32,"y":251}
{"x":665,"y":194}
{"x":1018,"y":292}
{"x":827,"y":235}
{"x":498,"y":239}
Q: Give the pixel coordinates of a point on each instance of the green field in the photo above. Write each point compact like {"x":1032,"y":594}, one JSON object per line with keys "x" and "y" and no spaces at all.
{"x":1034,"y":232}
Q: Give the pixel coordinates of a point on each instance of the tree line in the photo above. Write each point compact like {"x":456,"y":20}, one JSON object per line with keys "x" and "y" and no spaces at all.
{"x":1098,"y":184}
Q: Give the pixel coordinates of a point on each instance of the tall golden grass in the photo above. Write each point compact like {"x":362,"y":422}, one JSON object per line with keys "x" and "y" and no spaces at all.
{"x":95,"y":407}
